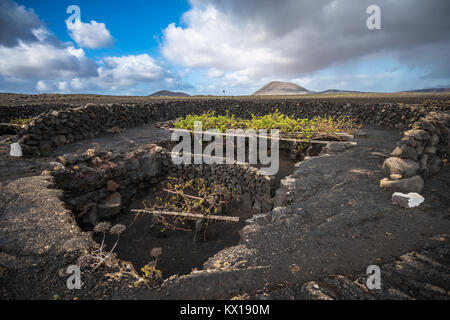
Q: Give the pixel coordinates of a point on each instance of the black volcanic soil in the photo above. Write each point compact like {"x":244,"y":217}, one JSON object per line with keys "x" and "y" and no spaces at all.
{"x":11,"y":99}
{"x":180,"y":255}
{"x":346,"y":224}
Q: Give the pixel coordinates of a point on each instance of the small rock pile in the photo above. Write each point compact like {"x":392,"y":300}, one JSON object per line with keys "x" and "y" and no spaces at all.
{"x":419,"y":153}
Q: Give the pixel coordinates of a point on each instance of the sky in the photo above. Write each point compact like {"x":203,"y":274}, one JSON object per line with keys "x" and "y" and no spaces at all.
{"x":138,"y":47}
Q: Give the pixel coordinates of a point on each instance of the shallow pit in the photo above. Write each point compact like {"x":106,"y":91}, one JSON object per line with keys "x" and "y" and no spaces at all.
{"x":179,"y":254}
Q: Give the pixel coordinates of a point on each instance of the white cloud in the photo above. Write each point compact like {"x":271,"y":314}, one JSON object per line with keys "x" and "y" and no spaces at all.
{"x":62,"y":86}
{"x":131,"y":68}
{"x":31,"y":58}
{"x":77,"y":84}
{"x":89,"y":35}
{"x":44,"y":60}
{"x":213,"y":41}
{"x":17,"y":23}
{"x":255,"y":39}
{"x":29,"y":51}
{"x":214,"y":73}
{"x":43,"y":86}
{"x":303,"y":81}
{"x":116,"y":74}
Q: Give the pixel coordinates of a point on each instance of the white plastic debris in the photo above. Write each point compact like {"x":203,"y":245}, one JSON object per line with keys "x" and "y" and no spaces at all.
{"x":409,"y":200}
{"x":16,"y":150}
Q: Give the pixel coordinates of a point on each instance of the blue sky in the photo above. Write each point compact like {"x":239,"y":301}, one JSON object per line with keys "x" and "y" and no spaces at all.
{"x":136,"y":27}
{"x":203,"y":47}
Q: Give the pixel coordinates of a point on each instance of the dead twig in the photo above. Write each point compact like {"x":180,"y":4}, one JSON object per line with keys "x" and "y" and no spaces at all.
{"x":191,"y":216}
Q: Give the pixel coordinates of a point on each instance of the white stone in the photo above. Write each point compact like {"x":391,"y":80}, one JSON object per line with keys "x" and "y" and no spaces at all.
{"x":361,"y":134}
{"x":409,"y":200}
{"x":16,"y":150}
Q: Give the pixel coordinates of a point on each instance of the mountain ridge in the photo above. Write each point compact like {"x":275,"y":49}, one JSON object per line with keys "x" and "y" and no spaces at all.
{"x":281,"y":88}
{"x":290,"y":88}
{"x":430,"y":90}
{"x":167,"y":93}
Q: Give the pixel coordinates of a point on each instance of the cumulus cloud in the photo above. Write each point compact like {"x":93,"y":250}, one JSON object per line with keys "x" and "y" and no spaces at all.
{"x":214,"y":73}
{"x":42,"y":86}
{"x":89,"y":35}
{"x":44,"y":61}
{"x":17,"y":24}
{"x":253,"y":39}
{"x":131,"y":68}
{"x":118,"y":74}
{"x":29,"y":52}
{"x":33,"y":59}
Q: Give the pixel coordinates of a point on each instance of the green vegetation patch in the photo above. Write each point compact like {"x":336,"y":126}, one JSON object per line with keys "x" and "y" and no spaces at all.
{"x":20,"y":121}
{"x":288,"y":125}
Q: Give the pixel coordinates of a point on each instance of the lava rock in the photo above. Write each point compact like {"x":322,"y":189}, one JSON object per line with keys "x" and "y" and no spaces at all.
{"x":418,"y":134}
{"x":333,"y":147}
{"x":407,"y":201}
{"x":110,"y":206}
{"x":112,"y":186}
{"x":405,"y":152}
{"x":430,"y":150}
{"x":360,"y":134}
{"x":405,"y":167}
{"x":246,"y":200}
{"x":414,"y":184}
{"x":434,"y":139}
{"x":395,"y":177}
{"x":150,"y":164}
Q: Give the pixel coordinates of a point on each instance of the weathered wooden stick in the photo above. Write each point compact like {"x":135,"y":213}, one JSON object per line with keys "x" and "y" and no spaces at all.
{"x":187,"y":195}
{"x":192,"y":216}
{"x":258,"y":136}
{"x":322,"y":134}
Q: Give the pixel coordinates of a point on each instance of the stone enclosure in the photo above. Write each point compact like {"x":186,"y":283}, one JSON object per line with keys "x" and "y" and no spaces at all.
{"x":418,"y":154}
{"x":97,"y":184}
{"x":55,"y":128}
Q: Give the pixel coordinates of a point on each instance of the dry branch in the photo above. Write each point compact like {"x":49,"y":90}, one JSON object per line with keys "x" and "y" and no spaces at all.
{"x":257,"y":136}
{"x":192,"y":216}
{"x":186,"y":195}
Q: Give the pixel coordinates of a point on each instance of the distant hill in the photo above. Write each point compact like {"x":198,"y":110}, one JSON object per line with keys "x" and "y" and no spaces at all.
{"x":336,"y":91}
{"x":281,"y":88}
{"x":290,"y":88}
{"x":431,"y":90}
{"x":167,"y":93}
{"x":287,"y":88}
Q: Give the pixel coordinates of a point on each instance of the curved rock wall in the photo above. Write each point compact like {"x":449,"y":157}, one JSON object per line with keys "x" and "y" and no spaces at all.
{"x":419,"y":153}
{"x":253,"y":187}
{"x":97,"y":184}
{"x":56,"y":128}
{"x":8,"y":113}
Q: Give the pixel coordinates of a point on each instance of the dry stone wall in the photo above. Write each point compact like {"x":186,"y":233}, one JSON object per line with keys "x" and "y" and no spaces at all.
{"x":8,"y":113}
{"x":98,"y":184}
{"x":55,"y":128}
{"x":254,"y":188}
{"x":419,"y":154}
